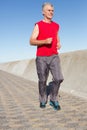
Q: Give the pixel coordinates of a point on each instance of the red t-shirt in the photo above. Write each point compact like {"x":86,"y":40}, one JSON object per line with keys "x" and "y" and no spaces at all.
{"x":47,"y":30}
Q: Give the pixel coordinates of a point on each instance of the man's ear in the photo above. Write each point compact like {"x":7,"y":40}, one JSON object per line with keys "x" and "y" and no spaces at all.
{"x":42,"y":12}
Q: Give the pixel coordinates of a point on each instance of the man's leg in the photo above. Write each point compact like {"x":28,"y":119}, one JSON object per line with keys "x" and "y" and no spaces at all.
{"x":42,"y":72}
{"x":55,"y":69}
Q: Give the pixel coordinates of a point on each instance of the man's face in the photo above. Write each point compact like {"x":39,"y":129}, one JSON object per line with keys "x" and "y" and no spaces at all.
{"x":48,"y":11}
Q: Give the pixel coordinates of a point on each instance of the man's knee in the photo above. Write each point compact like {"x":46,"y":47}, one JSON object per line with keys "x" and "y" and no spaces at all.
{"x":58,"y":81}
{"x":42,"y":87}
{"x":42,"y":82}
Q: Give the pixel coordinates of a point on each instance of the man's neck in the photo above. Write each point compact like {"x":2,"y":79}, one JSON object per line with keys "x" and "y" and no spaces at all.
{"x":47,"y":20}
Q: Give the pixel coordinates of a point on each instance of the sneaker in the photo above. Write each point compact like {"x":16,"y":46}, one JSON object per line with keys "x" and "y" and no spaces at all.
{"x":55,"y":105}
{"x":42,"y":105}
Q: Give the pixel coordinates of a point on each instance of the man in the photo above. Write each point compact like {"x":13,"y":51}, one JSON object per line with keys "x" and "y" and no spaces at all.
{"x":45,"y":37}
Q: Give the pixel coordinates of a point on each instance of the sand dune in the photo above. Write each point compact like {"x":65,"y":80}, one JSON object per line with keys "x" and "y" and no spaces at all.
{"x":74,"y":68}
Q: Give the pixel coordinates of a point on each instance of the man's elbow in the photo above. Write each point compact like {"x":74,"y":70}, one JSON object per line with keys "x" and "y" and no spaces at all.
{"x":31,"y":41}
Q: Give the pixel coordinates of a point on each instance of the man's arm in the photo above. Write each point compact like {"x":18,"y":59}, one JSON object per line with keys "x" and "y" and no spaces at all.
{"x":58,"y":43}
{"x":33,"y":38}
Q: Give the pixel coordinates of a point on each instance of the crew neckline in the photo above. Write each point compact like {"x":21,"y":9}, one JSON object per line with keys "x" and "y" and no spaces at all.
{"x":47,"y":22}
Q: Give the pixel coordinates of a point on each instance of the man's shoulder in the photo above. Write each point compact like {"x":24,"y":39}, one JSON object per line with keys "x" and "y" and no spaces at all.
{"x":55,"y":23}
{"x":38,"y":22}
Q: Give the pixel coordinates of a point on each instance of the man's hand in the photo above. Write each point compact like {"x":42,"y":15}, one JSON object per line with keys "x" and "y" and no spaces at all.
{"x":58,"y":46}
{"x":48,"y":41}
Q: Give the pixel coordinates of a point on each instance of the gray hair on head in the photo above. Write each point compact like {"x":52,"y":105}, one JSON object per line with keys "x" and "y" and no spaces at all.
{"x":46,"y":3}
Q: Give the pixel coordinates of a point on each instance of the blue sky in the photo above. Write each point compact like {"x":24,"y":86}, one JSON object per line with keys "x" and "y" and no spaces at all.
{"x":17,"y":18}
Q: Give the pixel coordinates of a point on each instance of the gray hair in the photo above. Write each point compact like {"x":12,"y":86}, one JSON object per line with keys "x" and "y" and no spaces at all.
{"x":46,"y":3}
